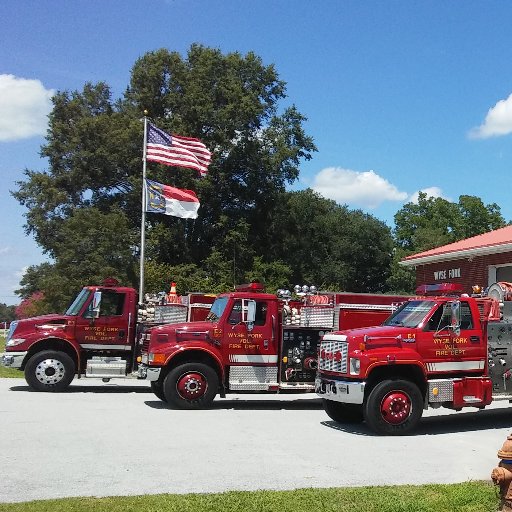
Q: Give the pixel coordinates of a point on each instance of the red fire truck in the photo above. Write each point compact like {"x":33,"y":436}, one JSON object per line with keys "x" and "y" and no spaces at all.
{"x":96,"y":337}
{"x":439,"y":350}
{"x":251,"y":341}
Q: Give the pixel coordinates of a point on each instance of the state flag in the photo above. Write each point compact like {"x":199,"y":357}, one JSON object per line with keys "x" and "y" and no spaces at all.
{"x":170,"y":201}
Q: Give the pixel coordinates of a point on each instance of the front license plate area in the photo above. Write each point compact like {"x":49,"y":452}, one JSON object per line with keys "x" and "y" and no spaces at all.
{"x":343,"y":388}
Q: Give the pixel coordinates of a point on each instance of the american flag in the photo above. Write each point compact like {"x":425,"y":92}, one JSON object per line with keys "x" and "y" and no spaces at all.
{"x":176,"y":150}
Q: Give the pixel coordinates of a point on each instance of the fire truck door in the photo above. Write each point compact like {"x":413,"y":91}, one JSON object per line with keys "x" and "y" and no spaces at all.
{"x":256,"y":346}
{"x":446,"y":351}
{"x":106,"y":329}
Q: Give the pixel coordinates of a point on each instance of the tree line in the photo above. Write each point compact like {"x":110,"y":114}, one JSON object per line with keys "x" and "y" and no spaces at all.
{"x":84,"y":211}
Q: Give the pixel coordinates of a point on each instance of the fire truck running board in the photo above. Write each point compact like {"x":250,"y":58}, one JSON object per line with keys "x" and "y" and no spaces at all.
{"x":502,"y":397}
{"x":252,"y":378}
{"x":471,"y":400}
{"x":105,"y":367}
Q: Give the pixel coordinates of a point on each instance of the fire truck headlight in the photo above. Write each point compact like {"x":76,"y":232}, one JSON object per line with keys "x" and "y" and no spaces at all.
{"x":355,"y":366}
{"x":14,"y":341}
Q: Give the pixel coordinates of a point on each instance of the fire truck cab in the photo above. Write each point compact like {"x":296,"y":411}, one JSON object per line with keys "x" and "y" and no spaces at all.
{"x":434,"y":351}
{"x":251,"y":341}
{"x":97,"y":337}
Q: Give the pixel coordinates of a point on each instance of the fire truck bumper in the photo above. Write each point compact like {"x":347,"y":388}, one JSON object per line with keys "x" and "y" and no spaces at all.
{"x":145,"y":372}
{"x":340,"y":390}
{"x":13,"y":359}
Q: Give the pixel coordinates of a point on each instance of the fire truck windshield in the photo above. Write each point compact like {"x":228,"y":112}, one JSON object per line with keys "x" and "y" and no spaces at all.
{"x":217,"y":309}
{"x":75,"y":308}
{"x":410,"y":314}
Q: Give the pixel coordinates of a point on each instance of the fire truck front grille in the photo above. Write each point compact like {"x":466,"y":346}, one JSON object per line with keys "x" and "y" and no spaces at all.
{"x":333,"y":356}
{"x":144,"y":342}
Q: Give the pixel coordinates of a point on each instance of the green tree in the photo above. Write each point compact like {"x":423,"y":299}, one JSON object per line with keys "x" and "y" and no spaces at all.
{"x":330,"y":246}
{"x":33,"y":279}
{"x":89,"y":247}
{"x":433,"y":222}
{"x":94,"y":149}
{"x":477,"y":218}
{"x":425,"y":224}
{"x":7,"y":314}
{"x":401,"y":279}
{"x":273,"y":275}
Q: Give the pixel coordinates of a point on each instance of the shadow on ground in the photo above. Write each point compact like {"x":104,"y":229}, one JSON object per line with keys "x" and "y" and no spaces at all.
{"x":444,"y":424}
{"x":100,"y":388}
{"x":300,"y":404}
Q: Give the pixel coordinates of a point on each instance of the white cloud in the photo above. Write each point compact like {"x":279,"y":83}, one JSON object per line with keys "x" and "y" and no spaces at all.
{"x":498,"y":121}
{"x":24,"y":106}
{"x":430,"y":191}
{"x":5,"y":250}
{"x":365,"y":189}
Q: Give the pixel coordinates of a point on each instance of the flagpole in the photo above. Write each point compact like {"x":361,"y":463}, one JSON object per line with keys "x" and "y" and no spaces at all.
{"x":143,"y":216}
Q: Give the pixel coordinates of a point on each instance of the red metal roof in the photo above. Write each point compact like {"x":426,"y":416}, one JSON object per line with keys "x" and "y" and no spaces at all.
{"x":499,"y":240}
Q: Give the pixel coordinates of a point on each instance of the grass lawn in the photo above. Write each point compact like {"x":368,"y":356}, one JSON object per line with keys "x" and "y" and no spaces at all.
{"x":465,"y":497}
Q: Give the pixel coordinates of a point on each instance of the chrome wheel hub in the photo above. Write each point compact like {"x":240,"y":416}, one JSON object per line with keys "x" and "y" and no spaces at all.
{"x":50,"y":371}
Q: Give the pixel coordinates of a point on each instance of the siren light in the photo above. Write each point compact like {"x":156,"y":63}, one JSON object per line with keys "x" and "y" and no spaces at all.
{"x":251,"y":287}
{"x":439,"y":289}
{"x":110,"y":282}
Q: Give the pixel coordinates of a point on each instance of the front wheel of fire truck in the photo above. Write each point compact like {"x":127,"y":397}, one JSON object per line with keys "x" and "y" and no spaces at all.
{"x":50,"y":371}
{"x":191,"y":386}
{"x":393,"y":407}
{"x":343,"y":413}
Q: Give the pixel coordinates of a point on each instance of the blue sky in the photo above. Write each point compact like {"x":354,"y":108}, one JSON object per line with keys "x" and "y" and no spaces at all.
{"x":400,"y":96}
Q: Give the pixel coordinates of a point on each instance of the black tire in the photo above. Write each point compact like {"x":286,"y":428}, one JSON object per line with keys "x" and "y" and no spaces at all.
{"x":393,"y":407}
{"x":191,"y":386}
{"x":343,"y":413}
{"x":158,"y":389}
{"x":50,"y":370}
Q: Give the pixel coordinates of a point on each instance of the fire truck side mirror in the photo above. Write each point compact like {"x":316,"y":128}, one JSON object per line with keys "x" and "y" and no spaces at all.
{"x":455,"y":317}
{"x":249,"y":313}
{"x":95,"y":304}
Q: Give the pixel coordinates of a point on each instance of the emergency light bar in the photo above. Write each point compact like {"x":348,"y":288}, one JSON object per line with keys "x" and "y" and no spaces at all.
{"x":251,"y":287}
{"x":439,"y":289}
{"x":110,"y":282}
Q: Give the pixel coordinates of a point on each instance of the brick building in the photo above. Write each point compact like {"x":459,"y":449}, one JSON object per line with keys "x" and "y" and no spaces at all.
{"x":480,"y":260}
